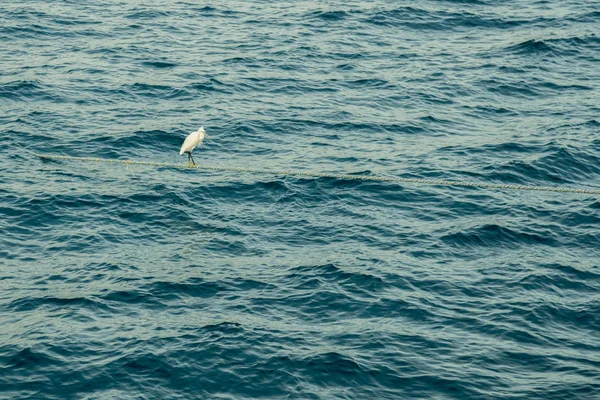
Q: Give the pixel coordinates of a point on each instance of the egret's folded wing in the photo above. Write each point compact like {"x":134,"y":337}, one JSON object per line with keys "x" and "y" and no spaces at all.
{"x":188,"y":144}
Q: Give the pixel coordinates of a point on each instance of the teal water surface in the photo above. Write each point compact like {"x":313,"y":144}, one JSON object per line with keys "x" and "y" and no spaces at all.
{"x":160,"y":283}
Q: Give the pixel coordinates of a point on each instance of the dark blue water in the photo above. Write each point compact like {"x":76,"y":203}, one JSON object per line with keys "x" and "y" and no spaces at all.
{"x":161,"y":283}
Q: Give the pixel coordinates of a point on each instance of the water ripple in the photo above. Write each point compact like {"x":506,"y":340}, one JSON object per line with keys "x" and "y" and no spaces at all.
{"x":122,"y":281}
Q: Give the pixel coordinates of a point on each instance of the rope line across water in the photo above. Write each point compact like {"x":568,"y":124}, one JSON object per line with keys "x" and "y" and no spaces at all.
{"x":328,"y":175}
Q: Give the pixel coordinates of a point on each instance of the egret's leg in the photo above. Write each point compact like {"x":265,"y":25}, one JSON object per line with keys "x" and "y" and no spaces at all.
{"x":189,"y":155}
{"x":192,"y":158}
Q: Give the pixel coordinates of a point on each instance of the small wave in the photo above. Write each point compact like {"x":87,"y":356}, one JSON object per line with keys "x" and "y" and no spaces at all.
{"x":574,"y":317}
{"x":33,"y":31}
{"x":322,"y":275}
{"x":210,"y":85}
{"x":576,"y":272}
{"x":330,"y":15}
{"x":422,"y":19}
{"x":24,"y":90}
{"x":470,"y":2}
{"x":205,"y":9}
{"x":27,"y":304}
{"x":241,"y":60}
{"x":561,"y":280}
{"x":532,"y":46}
{"x":132,"y":296}
{"x":159,"y":64}
{"x":194,"y":287}
{"x":339,"y":365}
{"x":370,"y":83}
{"x":521,"y":89}
{"x":398,"y":16}
{"x":147,"y":14}
{"x":510,"y":148}
{"x":589,"y":41}
{"x":66,"y":201}
{"x":570,"y":165}
{"x":591,"y":16}
{"x":224,"y":327}
{"x":154,"y":91}
{"x":557,"y":87}
{"x":29,"y":360}
{"x":492,"y":235}
{"x":132,"y":141}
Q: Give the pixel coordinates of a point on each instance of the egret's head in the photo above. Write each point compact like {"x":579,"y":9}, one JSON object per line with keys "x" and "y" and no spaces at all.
{"x":201,"y":131}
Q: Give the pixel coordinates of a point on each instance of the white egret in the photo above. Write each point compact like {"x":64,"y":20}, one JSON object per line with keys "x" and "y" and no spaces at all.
{"x":194,"y":139}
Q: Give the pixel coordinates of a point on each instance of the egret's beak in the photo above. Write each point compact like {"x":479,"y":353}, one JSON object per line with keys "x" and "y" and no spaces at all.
{"x":206,"y":135}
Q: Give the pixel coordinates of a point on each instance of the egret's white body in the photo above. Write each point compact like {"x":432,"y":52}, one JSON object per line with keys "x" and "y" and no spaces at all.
{"x":194,"y":139}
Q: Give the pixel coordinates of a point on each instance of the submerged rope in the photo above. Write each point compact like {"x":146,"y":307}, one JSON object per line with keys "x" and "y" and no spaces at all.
{"x":327,"y":175}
